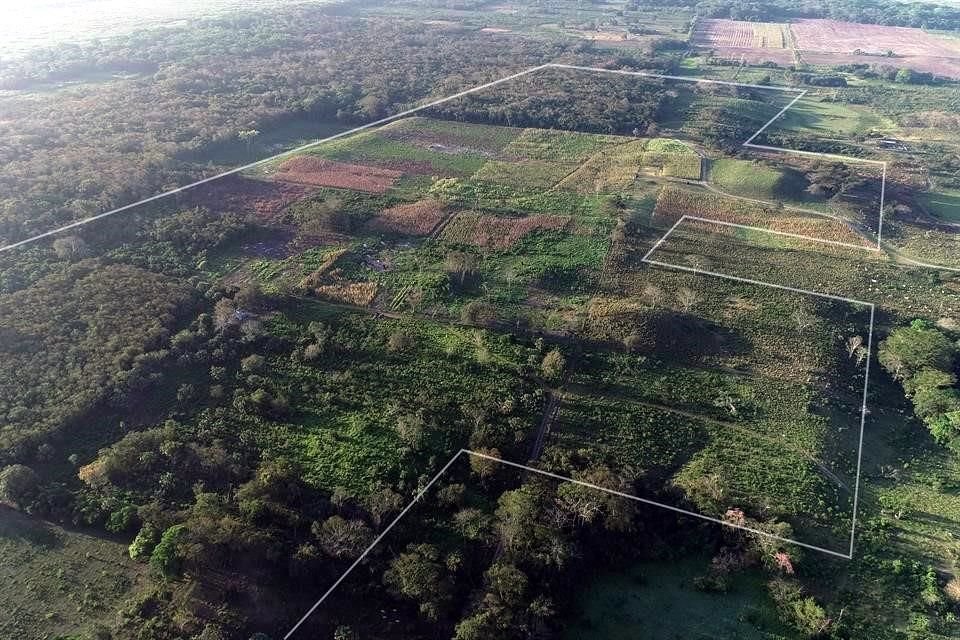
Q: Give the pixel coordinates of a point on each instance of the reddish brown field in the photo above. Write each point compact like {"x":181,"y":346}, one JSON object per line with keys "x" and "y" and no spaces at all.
{"x":416,"y":219}
{"x":313,"y":171}
{"x":409,"y":167}
{"x":830,"y":42}
{"x":498,"y":233}
{"x":847,"y":37}
{"x":244,"y":195}
{"x":947,"y":67}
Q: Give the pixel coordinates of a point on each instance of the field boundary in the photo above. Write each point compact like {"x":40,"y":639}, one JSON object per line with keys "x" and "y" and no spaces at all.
{"x":407,"y":112}
{"x":748,"y":143}
{"x":426,"y":488}
{"x":866,"y":378}
{"x":848,"y":555}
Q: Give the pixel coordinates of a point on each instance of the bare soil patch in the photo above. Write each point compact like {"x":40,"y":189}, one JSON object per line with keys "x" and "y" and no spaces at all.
{"x":237,"y":194}
{"x":485,"y":230}
{"x":833,"y":36}
{"x":830,"y":42}
{"x":416,"y":219}
{"x":742,"y":35}
{"x":313,"y":171}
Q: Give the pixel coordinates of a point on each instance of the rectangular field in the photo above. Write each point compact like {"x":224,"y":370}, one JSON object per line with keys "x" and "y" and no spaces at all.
{"x":830,"y":42}
{"x":741,"y":35}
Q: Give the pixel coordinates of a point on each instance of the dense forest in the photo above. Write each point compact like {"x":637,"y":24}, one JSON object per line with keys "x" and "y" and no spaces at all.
{"x":188,"y":89}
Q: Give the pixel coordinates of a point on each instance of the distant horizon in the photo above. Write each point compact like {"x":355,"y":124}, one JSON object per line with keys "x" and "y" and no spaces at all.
{"x":33,"y":25}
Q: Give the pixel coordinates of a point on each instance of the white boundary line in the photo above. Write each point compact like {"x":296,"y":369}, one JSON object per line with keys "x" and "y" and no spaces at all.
{"x":554,"y":476}
{"x":798,"y":236}
{"x":376,"y":541}
{"x":866,"y":376}
{"x":269,"y":159}
{"x":863,"y":421}
{"x":748,"y":143}
{"x":554,"y":65}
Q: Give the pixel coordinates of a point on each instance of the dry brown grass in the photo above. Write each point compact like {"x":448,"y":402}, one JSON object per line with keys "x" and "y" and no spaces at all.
{"x":952,"y":590}
{"x":483,"y":230}
{"x":318,"y":172}
{"x":356,"y":293}
{"x":415,"y":219}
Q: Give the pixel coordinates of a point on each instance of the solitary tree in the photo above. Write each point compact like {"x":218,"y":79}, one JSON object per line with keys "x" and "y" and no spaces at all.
{"x":507,"y":583}
{"x":653,"y":294}
{"x":853,"y":343}
{"x":342,"y":538}
{"x":553,"y":365}
{"x":69,"y":247}
{"x":247,"y":136}
{"x":484,"y":467}
{"x":803,"y":320}
{"x":383,"y":503}
{"x":686,"y":298}
{"x":418,"y":574}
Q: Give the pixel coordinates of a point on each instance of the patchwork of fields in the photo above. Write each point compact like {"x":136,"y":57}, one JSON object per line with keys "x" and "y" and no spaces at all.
{"x":352,"y":313}
{"x":829,"y":42}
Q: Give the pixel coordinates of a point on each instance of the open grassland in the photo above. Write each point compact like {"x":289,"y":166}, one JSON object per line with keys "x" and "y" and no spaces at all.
{"x":925,"y":242}
{"x":380,"y":149}
{"x":450,"y":137}
{"x":615,"y":170}
{"x":752,"y":179}
{"x":474,"y":229}
{"x":57,"y":582}
{"x":524,"y":173}
{"x":620,"y":606}
{"x":945,"y":205}
{"x":902,"y":291}
{"x":813,"y":116}
{"x":559,"y":146}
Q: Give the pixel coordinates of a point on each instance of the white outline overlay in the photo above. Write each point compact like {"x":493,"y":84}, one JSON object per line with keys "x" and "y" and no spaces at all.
{"x":646,"y":258}
{"x":555,"y":476}
{"x":550,"y":65}
{"x":866,"y":376}
{"x":748,"y":144}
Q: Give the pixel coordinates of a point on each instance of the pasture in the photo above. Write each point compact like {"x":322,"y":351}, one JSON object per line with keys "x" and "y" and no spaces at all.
{"x":56,"y":582}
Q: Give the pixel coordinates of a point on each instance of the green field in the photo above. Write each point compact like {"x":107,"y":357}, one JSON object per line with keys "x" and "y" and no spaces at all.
{"x":625,"y":604}
{"x":59,"y":581}
{"x":751,"y":179}
{"x":820,"y":118}
{"x":943,"y":204}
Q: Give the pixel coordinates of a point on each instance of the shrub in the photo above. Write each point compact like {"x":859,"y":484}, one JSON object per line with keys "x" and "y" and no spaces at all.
{"x":479,"y":313}
{"x":18,"y":484}
{"x":252,"y":363}
{"x":553,"y":365}
{"x":143,"y":545}
{"x":165,"y":559}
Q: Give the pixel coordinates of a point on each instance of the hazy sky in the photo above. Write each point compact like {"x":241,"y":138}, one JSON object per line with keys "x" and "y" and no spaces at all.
{"x":30,"y":23}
